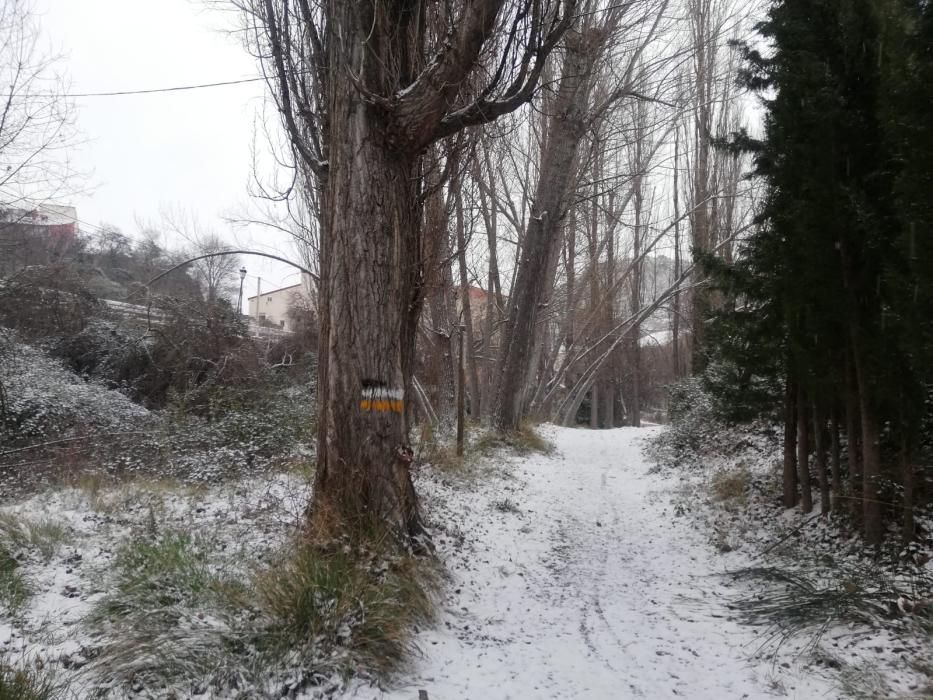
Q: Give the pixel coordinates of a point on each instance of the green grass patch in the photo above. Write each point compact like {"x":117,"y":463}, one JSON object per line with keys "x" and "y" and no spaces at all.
{"x":23,"y":537}
{"x":163,"y":573}
{"x":171,"y":613}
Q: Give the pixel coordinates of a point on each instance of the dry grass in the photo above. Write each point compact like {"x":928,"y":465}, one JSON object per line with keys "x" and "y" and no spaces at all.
{"x":39,"y":536}
{"x":506,"y":505}
{"x":730,"y":486}
{"x":364,"y":602}
{"x":27,"y":684}
{"x":524,"y":441}
{"x":177,"y":617}
{"x":107,"y":496}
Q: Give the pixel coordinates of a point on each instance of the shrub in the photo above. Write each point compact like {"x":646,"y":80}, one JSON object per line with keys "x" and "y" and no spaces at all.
{"x":106,"y":352}
{"x":43,"y":400}
{"x":43,"y":302}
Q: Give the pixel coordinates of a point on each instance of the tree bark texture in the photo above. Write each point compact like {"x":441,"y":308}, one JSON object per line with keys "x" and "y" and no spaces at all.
{"x":370,"y":286}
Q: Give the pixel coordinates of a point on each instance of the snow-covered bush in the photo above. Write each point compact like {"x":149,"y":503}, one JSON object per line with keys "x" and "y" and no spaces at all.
{"x":42,"y":302}
{"x":108,"y":352}
{"x":699,"y":437}
{"x":262,"y":423}
{"x":43,"y":400}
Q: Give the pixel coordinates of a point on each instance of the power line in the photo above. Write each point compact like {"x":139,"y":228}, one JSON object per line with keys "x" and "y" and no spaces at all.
{"x":150,"y":91}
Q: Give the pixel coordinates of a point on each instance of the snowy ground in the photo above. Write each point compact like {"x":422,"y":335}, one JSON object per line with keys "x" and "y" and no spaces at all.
{"x":574,"y":578}
{"x":576,"y":574}
{"x":68,"y":564}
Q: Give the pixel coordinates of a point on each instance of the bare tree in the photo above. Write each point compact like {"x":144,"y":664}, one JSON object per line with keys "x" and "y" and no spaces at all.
{"x":574,"y":110}
{"x":36,"y":119}
{"x":364,"y":89}
{"x":215,"y":273}
{"x":36,"y":129}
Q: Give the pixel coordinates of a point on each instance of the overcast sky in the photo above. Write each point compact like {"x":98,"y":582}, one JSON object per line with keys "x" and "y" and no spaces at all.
{"x":146,"y":153}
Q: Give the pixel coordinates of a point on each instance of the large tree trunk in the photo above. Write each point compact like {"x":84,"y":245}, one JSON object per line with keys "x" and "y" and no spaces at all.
{"x":364,"y":457}
{"x":370,"y":307}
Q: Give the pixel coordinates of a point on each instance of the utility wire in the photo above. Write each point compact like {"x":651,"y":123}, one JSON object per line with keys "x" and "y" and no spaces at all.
{"x":151,"y":91}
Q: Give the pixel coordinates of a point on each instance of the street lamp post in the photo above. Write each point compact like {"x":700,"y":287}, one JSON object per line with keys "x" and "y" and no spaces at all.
{"x":239,"y":301}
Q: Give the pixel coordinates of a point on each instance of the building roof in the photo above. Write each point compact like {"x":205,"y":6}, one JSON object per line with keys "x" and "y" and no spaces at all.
{"x":276,"y":291}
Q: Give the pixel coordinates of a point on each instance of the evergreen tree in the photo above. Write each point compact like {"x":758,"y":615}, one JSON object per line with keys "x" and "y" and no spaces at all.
{"x":835,"y":282}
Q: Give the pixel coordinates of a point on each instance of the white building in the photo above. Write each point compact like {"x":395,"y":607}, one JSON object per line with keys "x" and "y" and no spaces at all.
{"x":271,"y":308}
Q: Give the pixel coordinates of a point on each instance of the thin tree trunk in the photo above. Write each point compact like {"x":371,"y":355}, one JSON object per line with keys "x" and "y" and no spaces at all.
{"x":908,"y":481}
{"x":637,"y":264}
{"x":594,"y":406}
{"x":853,"y":442}
{"x":835,"y":457}
{"x":803,"y":452}
{"x":790,"y":444}
{"x":701,"y":225}
{"x":871,"y":450}
{"x":461,"y":393}
{"x":675,"y":323}
{"x":819,"y":446}
{"x":440,"y":291}
{"x":466,"y":306}
{"x":871,"y":473}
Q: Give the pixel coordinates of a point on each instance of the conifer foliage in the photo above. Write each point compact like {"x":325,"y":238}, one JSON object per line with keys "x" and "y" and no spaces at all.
{"x":836,"y":283}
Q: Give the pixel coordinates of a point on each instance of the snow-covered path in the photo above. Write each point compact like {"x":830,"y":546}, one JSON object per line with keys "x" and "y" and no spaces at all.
{"x":574,"y":578}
